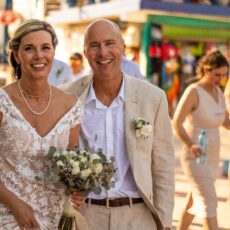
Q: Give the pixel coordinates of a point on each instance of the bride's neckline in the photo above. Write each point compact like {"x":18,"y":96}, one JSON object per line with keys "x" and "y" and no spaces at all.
{"x":28,"y":123}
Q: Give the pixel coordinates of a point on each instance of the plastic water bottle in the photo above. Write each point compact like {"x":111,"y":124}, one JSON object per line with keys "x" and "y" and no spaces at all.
{"x":203,"y":144}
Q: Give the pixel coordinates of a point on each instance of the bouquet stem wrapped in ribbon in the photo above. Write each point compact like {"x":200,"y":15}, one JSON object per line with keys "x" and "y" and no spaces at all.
{"x":79,"y":170}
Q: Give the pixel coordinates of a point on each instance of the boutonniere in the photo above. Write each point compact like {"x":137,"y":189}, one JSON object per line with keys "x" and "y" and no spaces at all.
{"x":58,"y":71}
{"x":142,"y":127}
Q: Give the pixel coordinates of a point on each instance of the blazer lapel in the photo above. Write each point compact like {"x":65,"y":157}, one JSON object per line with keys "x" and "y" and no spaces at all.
{"x":131,"y":102}
{"x":84,"y":89}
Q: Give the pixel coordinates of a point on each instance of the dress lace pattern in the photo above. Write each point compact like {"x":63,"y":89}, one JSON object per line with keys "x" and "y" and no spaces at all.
{"x":22,"y":157}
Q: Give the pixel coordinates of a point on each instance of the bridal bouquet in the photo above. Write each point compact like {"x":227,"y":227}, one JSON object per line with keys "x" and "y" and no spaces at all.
{"x":79,"y":170}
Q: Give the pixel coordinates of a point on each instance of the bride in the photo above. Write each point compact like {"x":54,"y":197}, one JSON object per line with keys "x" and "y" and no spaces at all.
{"x":33,"y":116}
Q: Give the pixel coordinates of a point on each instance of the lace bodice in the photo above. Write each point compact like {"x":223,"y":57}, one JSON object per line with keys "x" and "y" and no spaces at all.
{"x":22,"y":157}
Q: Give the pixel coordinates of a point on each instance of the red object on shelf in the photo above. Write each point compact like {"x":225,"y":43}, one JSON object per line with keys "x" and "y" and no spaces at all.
{"x":7,"y":17}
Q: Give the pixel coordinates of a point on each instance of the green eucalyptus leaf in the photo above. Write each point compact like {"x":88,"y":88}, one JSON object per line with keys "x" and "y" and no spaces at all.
{"x":97,"y":190}
{"x":85,"y":193}
{"x":58,"y":185}
{"x":51,"y":152}
{"x":110,"y":166}
{"x":55,"y":178}
{"x":111,"y":184}
{"x":47,"y":173}
{"x":99,"y":150}
{"x":71,"y":183}
{"x":96,"y":183}
{"x":112,"y":159}
{"x":102,"y":156}
{"x":56,"y":171}
{"x":86,"y":144}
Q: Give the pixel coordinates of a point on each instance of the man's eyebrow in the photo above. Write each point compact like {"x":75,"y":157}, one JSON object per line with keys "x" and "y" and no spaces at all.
{"x":90,"y":43}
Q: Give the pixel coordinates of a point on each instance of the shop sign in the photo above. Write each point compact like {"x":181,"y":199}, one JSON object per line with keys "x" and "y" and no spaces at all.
{"x":7,"y":17}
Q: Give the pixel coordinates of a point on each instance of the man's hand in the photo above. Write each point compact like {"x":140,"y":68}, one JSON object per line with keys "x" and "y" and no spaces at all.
{"x":23,"y":214}
{"x":78,"y":200}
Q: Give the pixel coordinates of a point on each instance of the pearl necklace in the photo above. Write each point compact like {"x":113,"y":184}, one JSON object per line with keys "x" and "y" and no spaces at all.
{"x":31,"y":110}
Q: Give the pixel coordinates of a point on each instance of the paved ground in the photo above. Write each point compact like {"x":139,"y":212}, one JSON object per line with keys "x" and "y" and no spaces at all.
{"x":222,"y":187}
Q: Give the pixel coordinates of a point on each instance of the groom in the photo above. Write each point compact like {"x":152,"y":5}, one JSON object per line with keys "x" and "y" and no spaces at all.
{"x":143,"y":197}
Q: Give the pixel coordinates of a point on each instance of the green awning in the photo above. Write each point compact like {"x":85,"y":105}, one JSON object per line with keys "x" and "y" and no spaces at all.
{"x":188,"y":32}
{"x":188,"y":22}
{"x":173,"y":26}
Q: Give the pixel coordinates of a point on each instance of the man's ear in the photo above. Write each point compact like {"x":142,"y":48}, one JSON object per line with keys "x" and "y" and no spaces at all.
{"x":85,"y":53}
{"x":124,"y":47}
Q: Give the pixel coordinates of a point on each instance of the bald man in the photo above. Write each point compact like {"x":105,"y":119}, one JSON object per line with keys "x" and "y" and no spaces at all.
{"x":143,"y":197}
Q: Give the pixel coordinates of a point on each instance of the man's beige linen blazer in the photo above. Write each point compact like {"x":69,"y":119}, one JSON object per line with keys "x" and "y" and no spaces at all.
{"x":151,"y":159}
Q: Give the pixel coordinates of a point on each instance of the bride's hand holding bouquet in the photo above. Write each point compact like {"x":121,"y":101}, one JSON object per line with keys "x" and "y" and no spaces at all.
{"x":81,"y":172}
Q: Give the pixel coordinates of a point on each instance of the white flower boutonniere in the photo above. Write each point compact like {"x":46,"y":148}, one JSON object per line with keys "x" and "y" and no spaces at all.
{"x":142,"y":127}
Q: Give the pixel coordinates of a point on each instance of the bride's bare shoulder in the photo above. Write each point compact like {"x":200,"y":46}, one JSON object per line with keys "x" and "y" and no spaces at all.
{"x":10,"y":88}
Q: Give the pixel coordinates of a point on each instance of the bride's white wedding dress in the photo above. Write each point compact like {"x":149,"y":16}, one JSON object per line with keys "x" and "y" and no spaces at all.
{"x":22,"y":157}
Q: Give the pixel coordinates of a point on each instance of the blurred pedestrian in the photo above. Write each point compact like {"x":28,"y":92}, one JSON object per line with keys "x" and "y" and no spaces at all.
{"x":202,"y":106}
{"x":227,"y":100}
{"x":227,"y":96}
{"x":76,"y":65}
{"x":131,"y":68}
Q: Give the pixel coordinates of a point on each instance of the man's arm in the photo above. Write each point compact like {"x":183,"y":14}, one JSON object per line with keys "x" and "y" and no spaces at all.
{"x":163,"y":164}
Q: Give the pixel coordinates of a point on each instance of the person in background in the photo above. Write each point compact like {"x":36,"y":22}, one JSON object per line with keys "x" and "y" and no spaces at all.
{"x":227,"y":100}
{"x":60,"y":73}
{"x":76,"y":65}
{"x":202,"y":107}
{"x":227,"y":96}
{"x":143,"y":197}
{"x":131,"y":68}
{"x":33,"y":116}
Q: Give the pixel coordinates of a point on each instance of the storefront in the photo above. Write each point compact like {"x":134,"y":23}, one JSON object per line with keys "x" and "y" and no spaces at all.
{"x":171,"y":45}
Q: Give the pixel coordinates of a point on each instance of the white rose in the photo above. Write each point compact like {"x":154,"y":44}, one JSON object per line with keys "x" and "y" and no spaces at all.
{"x":94,"y":156}
{"x":71,"y":161}
{"x":64,"y":153}
{"x":56,"y":154}
{"x":59,"y":163}
{"x":74,"y":163}
{"x":83,"y":159}
{"x":146,"y":130}
{"x":98,"y":168}
{"x":76,"y":168}
{"x":72,"y":154}
{"x":85,"y":173}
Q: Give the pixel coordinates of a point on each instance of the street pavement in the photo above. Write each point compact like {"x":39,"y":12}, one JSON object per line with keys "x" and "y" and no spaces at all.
{"x":222,"y":186}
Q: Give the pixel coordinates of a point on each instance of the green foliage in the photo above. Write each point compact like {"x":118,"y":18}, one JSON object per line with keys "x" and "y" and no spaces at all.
{"x":51,"y":152}
{"x":86,"y":144}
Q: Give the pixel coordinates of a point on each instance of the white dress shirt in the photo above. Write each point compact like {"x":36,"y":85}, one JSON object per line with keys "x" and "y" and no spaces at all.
{"x":108,"y":124}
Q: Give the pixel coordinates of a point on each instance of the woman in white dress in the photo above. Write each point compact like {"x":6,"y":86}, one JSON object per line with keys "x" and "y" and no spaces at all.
{"x":33,"y":116}
{"x":202,"y":106}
